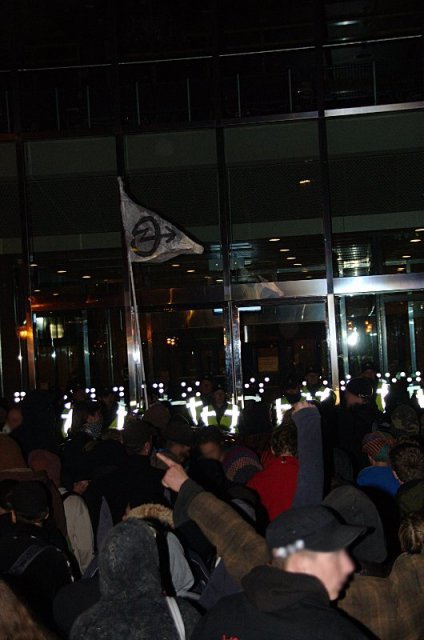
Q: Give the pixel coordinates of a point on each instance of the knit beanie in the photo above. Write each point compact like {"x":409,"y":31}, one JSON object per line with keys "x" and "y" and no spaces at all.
{"x":377,"y":445}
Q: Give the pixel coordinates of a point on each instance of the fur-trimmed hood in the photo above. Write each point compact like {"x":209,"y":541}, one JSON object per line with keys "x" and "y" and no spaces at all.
{"x":152,"y":511}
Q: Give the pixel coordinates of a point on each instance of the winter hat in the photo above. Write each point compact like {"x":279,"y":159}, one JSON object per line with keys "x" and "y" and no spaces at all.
{"x":240,"y":464}
{"x":356,"y":508}
{"x":377,"y":445}
{"x":157,"y":415}
{"x":314,"y":528}
{"x":360,"y":387}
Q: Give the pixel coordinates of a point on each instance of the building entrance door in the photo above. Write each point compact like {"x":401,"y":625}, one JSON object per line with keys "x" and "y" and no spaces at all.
{"x":277,"y":341}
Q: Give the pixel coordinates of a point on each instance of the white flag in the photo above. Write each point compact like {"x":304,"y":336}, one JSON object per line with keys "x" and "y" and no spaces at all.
{"x":149,"y":237}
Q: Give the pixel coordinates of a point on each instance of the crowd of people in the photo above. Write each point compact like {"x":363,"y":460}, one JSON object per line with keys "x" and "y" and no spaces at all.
{"x":305,"y":521}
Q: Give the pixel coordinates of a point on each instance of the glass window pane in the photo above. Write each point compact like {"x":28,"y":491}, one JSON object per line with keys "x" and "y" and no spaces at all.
{"x":181,"y":346}
{"x":267,"y":25}
{"x":374,"y":73}
{"x":64,"y":33}
{"x":66,"y":100}
{"x":174,"y":175}
{"x":146,"y":91}
{"x":276,"y":214}
{"x":268,"y":83}
{"x":358,"y":21}
{"x":164,"y":28}
{"x":279,"y":341}
{"x":376,"y":168}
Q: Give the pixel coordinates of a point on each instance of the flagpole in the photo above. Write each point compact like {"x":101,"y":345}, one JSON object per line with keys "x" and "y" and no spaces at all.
{"x":152,"y":239}
{"x":134,"y":308}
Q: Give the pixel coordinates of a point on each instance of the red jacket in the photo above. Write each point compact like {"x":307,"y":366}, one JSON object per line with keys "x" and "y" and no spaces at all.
{"x":276,"y":484}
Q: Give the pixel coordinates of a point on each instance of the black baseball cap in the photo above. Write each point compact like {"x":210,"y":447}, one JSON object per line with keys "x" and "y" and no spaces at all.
{"x":356,"y":508}
{"x":315,"y":528}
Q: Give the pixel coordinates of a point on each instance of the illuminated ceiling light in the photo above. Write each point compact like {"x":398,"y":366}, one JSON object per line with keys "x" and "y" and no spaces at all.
{"x":353,"y":338}
{"x":420,"y":229}
{"x":191,"y":270}
{"x":406,"y":257}
{"x":284,"y":250}
{"x":297,"y":264}
{"x":292,"y":258}
{"x":415,"y":240}
{"x":37,"y":290}
{"x":219,"y":280}
{"x":55,"y":294}
{"x":87,"y":277}
{"x":346,"y":23}
{"x":305,"y":181}
{"x":175,"y":265}
{"x":33,"y":264}
{"x":61,"y":271}
{"x":400,"y":269}
{"x":274,"y":239}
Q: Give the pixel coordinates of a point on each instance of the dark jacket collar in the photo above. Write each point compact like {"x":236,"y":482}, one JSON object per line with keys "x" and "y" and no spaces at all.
{"x":271,"y":589}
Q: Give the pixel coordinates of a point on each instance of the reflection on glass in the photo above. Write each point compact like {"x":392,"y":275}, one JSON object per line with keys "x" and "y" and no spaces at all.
{"x":376,"y":194}
{"x":276,"y":210}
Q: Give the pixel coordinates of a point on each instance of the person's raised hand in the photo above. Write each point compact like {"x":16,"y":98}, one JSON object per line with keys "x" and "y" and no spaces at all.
{"x":175,"y":476}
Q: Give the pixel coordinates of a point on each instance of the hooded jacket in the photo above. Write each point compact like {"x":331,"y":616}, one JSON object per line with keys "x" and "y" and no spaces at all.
{"x":277,"y":604}
{"x":131,"y":605}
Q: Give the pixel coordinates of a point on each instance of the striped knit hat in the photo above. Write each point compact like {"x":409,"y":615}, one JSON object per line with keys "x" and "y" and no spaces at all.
{"x":377,"y":445}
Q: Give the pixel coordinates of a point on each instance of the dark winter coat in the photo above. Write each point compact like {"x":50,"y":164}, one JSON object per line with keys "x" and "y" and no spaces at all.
{"x":38,"y":585}
{"x":131,"y":605}
{"x":277,"y":604}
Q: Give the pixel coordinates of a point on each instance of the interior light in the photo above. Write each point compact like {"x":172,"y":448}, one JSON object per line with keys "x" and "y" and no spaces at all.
{"x":284,"y":250}
{"x":415,"y":240}
{"x":353,"y":338}
{"x":175,"y":265}
{"x":406,"y":257}
{"x":274,"y":239}
{"x":87,"y":277}
{"x":55,"y":294}
{"x":305,"y":181}
{"x":61,"y":271}
{"x":297,"y":264}
{"x":346,"y":23}
{"x":420,"y":229}
{"x":292,"y":258}
{"x":191,"y":270}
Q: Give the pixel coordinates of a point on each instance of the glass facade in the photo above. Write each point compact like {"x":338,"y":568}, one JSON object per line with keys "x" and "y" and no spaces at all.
{"x":286,"y":138}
